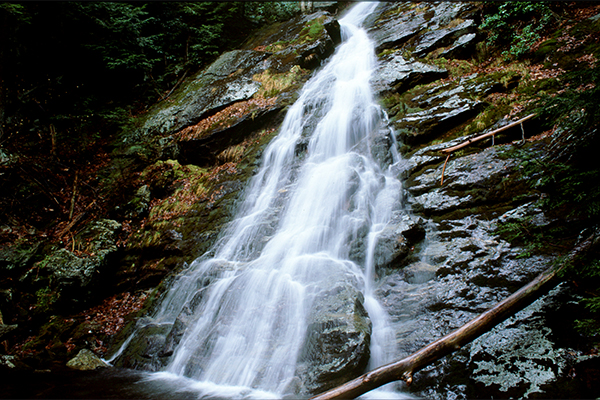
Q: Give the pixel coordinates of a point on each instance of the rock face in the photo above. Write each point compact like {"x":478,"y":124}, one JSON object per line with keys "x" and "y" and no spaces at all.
{"x":463,"y":267}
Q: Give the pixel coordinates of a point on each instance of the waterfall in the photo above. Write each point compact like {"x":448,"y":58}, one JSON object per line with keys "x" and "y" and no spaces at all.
{"x":246,"y":306}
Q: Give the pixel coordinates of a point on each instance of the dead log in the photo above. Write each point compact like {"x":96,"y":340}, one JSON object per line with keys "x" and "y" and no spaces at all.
{"x":405,"y":368}
{"x":485,"y":135}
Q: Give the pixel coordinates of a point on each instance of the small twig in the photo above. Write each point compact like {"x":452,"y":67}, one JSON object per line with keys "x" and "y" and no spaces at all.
{"x":443,"y":169}
{"x":174,"y":87}
{"x":74,"y":196}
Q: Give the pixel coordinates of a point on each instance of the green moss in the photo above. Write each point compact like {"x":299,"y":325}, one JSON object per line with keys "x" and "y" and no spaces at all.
{"x":485,"y":119}
{"x":273,"y":84}
{"x":386,"y":52}
{"x":455,"y":68}
{"x":313,"y":29}
{"x":46,"y":298}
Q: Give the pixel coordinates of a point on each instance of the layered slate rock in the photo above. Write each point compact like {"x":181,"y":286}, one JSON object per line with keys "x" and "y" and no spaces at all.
{"x":227,"y":80}
{"x":242,"y":90}
{"x":423,"y":27}
{"x":398,"y":74}
{"x":393,"y":33}
{"x":442,"y":37}
{"x":468,"y":181}
{"x":443,"y":107}
{"x":461,"y":48}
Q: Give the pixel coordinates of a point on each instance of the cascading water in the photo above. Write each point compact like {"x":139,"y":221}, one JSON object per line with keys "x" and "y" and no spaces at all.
{"x":246,"y":307}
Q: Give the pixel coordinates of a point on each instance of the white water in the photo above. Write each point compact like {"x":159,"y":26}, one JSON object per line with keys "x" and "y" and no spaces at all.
{"x":291,"y":237}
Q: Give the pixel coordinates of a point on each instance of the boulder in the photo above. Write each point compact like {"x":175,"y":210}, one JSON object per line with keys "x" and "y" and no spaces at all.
{"x":76,"y":278}
{"x":395,"y":242}
{"x":336,"y":348}
{"x":144,"y":349}
{"x":76,"y":272}
{"x":86,"y":360}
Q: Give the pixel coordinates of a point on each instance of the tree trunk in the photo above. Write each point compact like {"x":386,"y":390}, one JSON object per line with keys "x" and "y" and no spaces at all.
{"x":405,"y":368}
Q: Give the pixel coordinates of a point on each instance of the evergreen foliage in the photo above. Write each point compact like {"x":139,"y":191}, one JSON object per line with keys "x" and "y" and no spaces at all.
{"x":87,"y":64}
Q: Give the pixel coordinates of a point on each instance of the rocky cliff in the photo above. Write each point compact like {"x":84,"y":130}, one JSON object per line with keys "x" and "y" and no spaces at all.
{"x":450,"y":259}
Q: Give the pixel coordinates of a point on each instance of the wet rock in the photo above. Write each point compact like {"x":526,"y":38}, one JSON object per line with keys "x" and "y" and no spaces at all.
{"x":416,"y":127}
{"x":531,"y":212}
{"x":444,"y":107}
{"x":461,"y":48}
{"x":86,"y":360}
{"x":394,"y":243}
{"x":442,"y":37}
{"x":381,"y":143}
{"x":396,"y":29}
{"x":333,"y":29}
{"x":466,"y":270}
{"x":482,"y":169}
{"x":144,"y":350}
{"x":337,"y":344}
{"x":445,"y":12}
{"x":399,"y":23}
{"x":519,"y":356}
{"x":397,"y":74}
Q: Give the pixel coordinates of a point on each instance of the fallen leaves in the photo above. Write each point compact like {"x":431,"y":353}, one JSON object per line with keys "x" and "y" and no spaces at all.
{"x":110,"y":315}
{"x":224,"y":118}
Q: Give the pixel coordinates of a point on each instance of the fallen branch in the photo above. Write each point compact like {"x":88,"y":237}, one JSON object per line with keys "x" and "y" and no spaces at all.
{"x":405,"y":368}
{"x":75,"y":220}
{"x":174,"y":87}
{"x":485,"y":135}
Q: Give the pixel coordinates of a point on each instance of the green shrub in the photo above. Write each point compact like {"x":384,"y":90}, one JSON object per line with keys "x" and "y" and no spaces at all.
{"x":515,"y":23}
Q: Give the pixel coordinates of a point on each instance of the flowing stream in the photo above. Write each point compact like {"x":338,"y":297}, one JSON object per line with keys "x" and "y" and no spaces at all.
{"x":246,"y":306}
